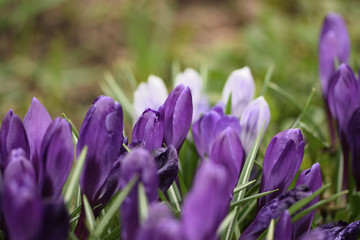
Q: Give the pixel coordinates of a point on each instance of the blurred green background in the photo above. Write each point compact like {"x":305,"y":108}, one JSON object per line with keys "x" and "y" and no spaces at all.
{"x":59,"y":50}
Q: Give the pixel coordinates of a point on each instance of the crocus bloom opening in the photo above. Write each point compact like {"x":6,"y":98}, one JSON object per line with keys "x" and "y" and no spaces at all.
{"x":282,"y":160}
{"x":150,"y":129}
{"x":241,"y":86}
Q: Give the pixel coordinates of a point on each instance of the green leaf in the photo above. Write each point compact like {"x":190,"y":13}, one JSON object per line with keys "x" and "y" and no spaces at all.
{"x":174,"y":198}
{"x":90,"y":219}
{"x":72,"y":183}
{"x":114,"y":207}
{"x":142,"y":203}
{"x":228,"y":108}
{"x":317,"y":205}
{"x":270,"y":233}
{"x":268,"y":76}
{"x":285,"y":95}
{"x":301,"y":203}
{"x":163,"y":198}
{"x":115,"y":234}
{"x":242,"y":186}
{"x":73,"y":128}
{"x":303,"y":112}
{"x":252,"y":197}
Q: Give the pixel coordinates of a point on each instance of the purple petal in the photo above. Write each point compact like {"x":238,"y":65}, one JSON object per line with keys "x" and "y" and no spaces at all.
{"x":334,"y":45}
{"x":343,"y":96}
{"x":206,"y":204}
{"x":101,"y":131}
{"x":150,"y":129}
{"x":57,"y":154}
{"x":353,"y":138}
{"x":312,"y":178}
{"x":177,"y":111}
{"x":273,"y":210}
{"x":283,"y":229}
{"x":255,"y":115}
{"x":140,"y":162}
{"x":282,"y":160}
{"x":168,"y":165}
{"x":340,"y":230}
{"x":22,"y":207}
{"x":160,"y":225}
{"x":241,"y":86}
{"x":227,"y":151}
{"x":12,"y":136}
{"x":36,"y":121}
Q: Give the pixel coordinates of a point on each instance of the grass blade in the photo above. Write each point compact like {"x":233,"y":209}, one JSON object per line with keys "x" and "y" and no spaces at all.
{"x":90,"y":219}
{"x":285,"y":95}
{"x":142,"y":203}
{"x":73,"y":128}
{"x":270,"y":233}
{"x":242,"y":186}
{"x":268,"y":76}
{"x":303,"y":112}
{"x":252,"y":197}
{"x":73,"y":181}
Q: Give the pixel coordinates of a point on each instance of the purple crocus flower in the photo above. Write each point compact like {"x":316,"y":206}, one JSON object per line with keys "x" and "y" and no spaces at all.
{"x":57,"y":154}
{"x":282,"y":160}
{"x":177,"y":111}
{"x":334,"y":45}
{"x":209,"y":126}
{"x":343,"y":97}
{"x":283,"y":229}
{"x":241,"y":86}
{"x":12,"y":136}
{"x":227,"y":151}
{"x":150,"y":129}
{"x":273,"y":210}
{"x":36,"y":122}
{"x":138,"y":162}
{"x":335,"y":231}
{"x":255,"y":115}
{"x":312,"y":178}
{"x":206,"y":204}
{"x":26,"y":215}
{"x":160,"y":225}
{"x":101,"y":131}
{"x":167,"y":166}
{"x":353,"y":138}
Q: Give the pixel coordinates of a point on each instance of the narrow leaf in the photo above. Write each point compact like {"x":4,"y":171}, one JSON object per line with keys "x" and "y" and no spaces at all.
{"x":270,"y":233}
{"x":228,"y":108}
{"x":90,"y":219}
{"x":142,"y":203}
{"x":242,"y":186}
{"x":255,"y":196}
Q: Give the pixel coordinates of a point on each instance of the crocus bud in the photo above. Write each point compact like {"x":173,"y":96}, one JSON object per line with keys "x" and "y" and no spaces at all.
{"x":101,"y":131}
{"x":255,"y":115}
{"x":167,"y":166}
{"x":150,"y":129}
{"x":206,"y":204}
{"x":57,"y":154}
{"x":283,"y":229}
{"x":282,"y":160}
{"x":160,"y":225}
{"x":137,"y":162}
{"x":353,"y":138}
{"x":177,"y":111}
{"x":241,"y":86}
{"x":343,"y":97}
{"x":22,"y":206}
{"x":193,"y":80}
{"x":149,"y":95}
{"x":334,"y":45}
{"x":227,"y":151}
{"x":312,"y":178}
{"x":12,"y":136}
{"x":209,"y":126}
{"x":36,"y":122}
{"x":273,"y":210}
